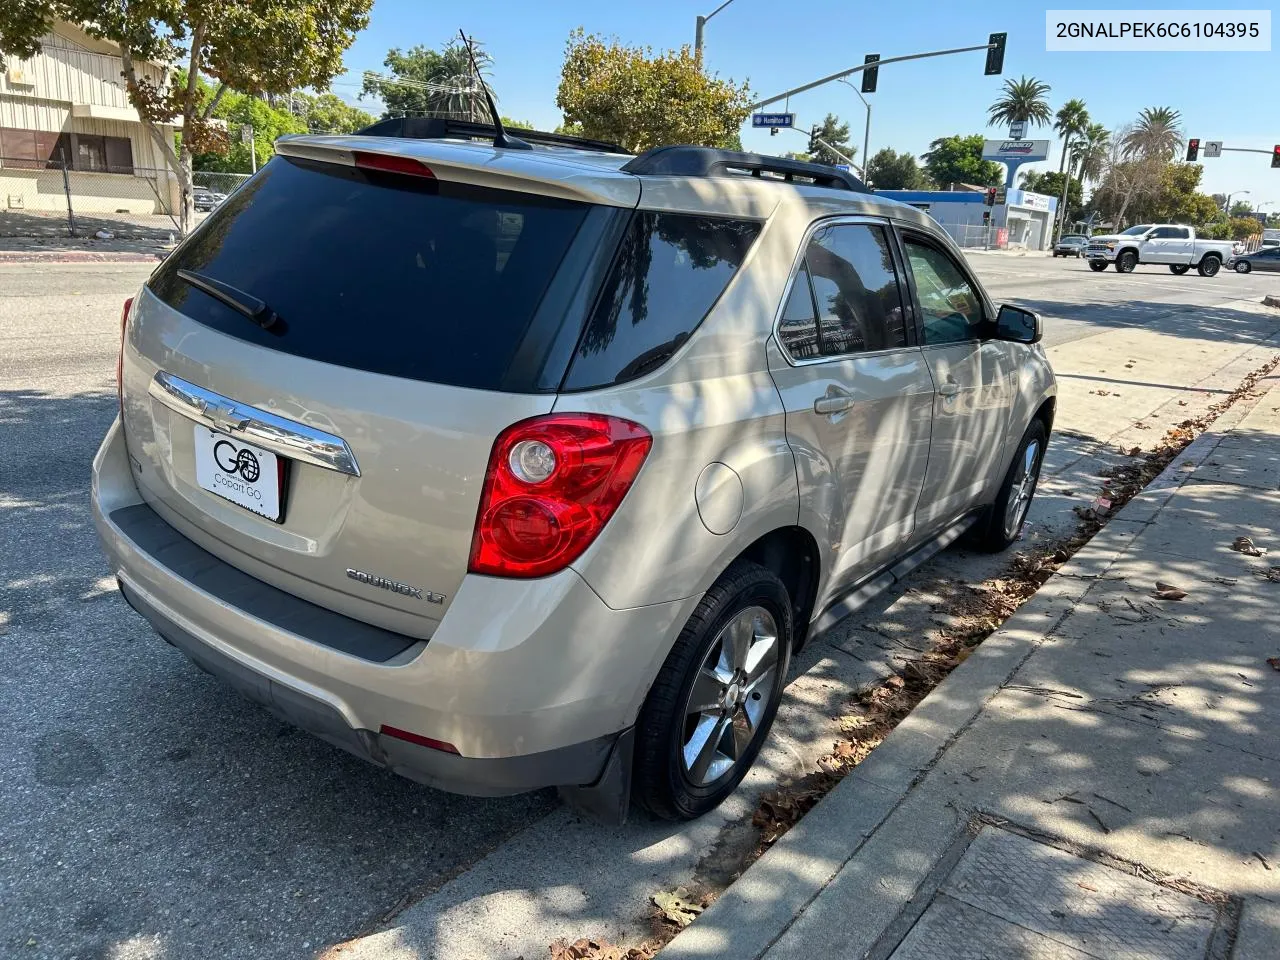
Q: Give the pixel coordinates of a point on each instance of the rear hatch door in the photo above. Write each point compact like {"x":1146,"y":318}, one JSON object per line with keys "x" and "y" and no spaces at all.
{"x":314,"y":380}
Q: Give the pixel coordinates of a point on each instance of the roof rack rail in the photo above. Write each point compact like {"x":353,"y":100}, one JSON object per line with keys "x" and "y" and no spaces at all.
{"x":441,"y":128}
{"x":710,"y":162}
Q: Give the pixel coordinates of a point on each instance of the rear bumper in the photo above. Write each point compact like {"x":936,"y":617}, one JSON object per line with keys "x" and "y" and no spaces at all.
{"x":532,"y":682}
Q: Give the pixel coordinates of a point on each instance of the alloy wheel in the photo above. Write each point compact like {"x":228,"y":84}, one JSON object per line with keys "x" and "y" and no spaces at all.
{"x":730,"y":695}
{"x":1024,"y":487}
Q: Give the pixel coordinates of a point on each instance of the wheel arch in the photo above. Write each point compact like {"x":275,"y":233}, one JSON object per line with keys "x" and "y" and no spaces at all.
{"x":792,"y":554}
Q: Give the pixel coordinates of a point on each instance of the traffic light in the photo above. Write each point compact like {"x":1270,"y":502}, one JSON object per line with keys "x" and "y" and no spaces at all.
{"x":995,"y":54}
{"x":869,"y":74}
{"x":991,"y":196}
{"x":1193,"y":148}
{"x":1275,"y":156}
{"x":986,"y":218}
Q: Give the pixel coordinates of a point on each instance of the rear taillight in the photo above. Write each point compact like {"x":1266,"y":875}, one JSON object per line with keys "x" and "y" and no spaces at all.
{"x":391,"y":163}
{"x":124,"y":328}
{"x":553,"y":483}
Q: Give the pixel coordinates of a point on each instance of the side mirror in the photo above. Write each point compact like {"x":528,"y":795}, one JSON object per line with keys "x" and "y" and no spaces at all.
{"x":1018,"y":326}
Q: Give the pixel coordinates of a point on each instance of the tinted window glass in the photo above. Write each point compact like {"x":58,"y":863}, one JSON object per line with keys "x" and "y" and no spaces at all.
{"x":856,"y":290}
{"x":669,"y":272}
{"x":798,"y":328}
{"x":397,"y":275}
{"x":952,"y":308}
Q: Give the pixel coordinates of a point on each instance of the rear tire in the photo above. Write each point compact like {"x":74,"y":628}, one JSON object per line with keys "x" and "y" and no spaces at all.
{"x":1178,"y":269}
{"x":709,"y":711}
{"x":1126,"y":262}
{"x":1001,"y":524}
{"x":1243,"y":266}
{"x":1097,"y":266}
{"x":1209,"y":265}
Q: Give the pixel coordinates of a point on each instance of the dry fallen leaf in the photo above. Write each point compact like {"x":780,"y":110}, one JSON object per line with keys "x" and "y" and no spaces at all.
{"x":1245,"y":545}
{"x":1167,"y":591}
{"x":1273,"y":663}
{"x":677,"y":906}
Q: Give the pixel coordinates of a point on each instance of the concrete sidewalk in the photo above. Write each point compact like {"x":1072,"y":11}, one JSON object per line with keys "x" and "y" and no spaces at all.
{"x":1098,"y":780}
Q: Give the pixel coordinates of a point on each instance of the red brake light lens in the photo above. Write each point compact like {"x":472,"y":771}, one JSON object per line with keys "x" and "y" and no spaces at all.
{"x":391,"y":163}
{"x":534,"y":527}
{"x":124,"y":326}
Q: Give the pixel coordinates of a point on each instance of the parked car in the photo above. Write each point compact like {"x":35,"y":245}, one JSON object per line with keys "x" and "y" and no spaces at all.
{"x":1167,"y":243}
{"x":1270,"y":242}
{"x":206,"y":199}
{"x":544,"y":480}
{"x":1070,"y":246}
{"x":1264,"y":258}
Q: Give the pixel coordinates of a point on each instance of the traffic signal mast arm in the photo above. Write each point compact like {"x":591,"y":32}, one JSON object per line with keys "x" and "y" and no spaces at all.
{"x":993,"y":44}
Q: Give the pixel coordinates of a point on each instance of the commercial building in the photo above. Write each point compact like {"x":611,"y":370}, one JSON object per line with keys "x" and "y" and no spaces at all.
{"x":1023,"y":221}
{"x":67,"y":105}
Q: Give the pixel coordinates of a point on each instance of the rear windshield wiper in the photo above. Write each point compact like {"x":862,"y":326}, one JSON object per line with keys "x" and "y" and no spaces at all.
{"x":242,"y":303}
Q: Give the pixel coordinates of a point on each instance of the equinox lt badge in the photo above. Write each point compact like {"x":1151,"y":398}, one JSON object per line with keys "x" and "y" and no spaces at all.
{"x":395,"y":586}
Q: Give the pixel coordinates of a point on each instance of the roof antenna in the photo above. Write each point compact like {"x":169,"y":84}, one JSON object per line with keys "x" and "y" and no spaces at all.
{"x":500,"y":138}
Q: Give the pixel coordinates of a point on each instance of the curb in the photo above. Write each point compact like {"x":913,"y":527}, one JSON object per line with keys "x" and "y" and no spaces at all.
{"x":761,"y":906}
{"x":78,"y":256}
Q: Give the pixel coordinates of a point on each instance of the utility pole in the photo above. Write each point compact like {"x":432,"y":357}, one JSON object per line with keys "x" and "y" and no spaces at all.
{"x":701,"y":23}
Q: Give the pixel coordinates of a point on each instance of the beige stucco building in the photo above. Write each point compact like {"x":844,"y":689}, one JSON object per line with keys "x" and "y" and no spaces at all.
{"x":68,"y":103}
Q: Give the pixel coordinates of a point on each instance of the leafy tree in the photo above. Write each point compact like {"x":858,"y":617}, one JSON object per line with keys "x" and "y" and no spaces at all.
{"x":1050,"y":184}
{"x":1156,"y":134}
{"x":835,"y":133}
{"x":329,"y":113}
{"x":958,"y":159}
{"x":229,"y":154}
{"x":639,"y":100}
{"x":432,"y":83}
{"x":258,"y":48}
{"x":1125,"y":179}
{"x":1022,"y":99}
{"x":1070,"y":122}
{"x":1241,"y":208}
{"x":888,"y":170}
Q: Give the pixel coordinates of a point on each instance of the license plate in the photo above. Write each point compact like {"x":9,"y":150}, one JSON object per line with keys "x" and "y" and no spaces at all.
{"x":246,"y":475}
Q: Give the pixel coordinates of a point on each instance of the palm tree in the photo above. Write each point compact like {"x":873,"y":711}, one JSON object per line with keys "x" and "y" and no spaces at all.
{"x":1072,"y":120}
{"x":1092,"y":146}
{"x":1023,"y":99}
{"x":1155,"y":135}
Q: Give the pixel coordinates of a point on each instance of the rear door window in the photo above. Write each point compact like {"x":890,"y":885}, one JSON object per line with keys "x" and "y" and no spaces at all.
{"x":855,"y":287}
{"x":668,"y":273}
{"x":398,"y":275}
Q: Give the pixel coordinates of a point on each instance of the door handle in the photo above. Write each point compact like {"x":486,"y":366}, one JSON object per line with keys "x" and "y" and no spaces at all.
{"x":948,"y":389}
{"x":834,"y":400}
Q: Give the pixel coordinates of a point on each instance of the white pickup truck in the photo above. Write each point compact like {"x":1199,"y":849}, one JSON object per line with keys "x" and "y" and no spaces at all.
{"x":1167,"y":243}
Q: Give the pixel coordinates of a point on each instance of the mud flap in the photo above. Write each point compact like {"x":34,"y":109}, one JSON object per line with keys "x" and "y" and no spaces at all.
{"x":608,"y":800}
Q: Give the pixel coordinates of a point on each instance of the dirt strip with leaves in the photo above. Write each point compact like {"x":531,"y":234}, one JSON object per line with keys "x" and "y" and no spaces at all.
{"x":874,"y":712}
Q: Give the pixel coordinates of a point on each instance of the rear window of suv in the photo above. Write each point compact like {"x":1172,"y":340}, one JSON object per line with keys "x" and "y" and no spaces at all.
{"x":398,"y":275}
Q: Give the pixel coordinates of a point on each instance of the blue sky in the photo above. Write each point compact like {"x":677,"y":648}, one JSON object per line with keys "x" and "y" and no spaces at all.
{"x":1228,"y":97}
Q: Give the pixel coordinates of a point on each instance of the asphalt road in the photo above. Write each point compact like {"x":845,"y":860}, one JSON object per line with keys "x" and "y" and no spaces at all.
{"x":147,"y":812}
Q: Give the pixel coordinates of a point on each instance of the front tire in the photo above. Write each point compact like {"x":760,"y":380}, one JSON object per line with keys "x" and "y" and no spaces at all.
{"x":711,"y":707}
{"x":1243,"y":266}
{"x":1126,"y":262}
{"x":1178,"y":269}
{"x":1003,"y":521}
{"x":1097,"y":266}
{"x":1209,"y":265}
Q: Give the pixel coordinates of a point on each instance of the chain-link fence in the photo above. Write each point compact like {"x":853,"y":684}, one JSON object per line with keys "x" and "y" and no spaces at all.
{"x":46,"y":200}
{"x":971,"y":236}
